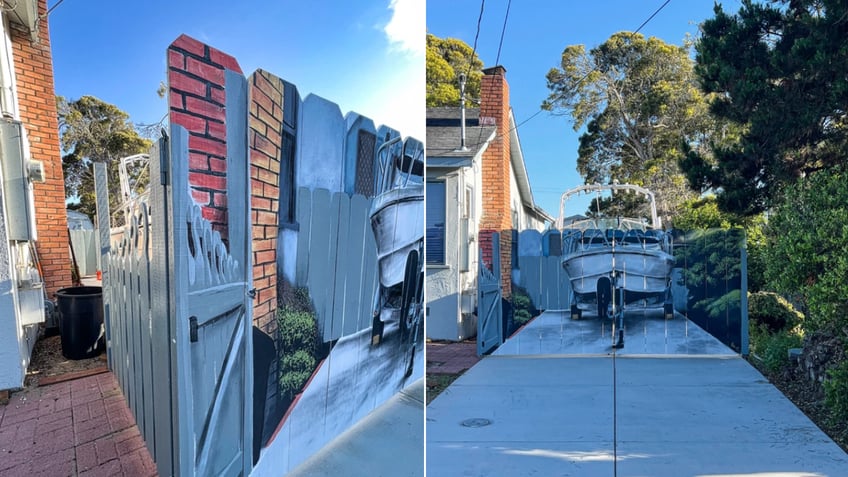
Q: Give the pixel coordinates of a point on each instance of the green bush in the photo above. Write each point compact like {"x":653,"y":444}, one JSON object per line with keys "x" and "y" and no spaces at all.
{"x":521,"y":301}
{"x":299,"y":361}
{"x":522,"y":305}
{"x":807,"y":250}
{"x":298,"y":330}
{"x":773,"y":348}
{"x":836,"y":392}
{"x":521,"y":317}
{"x":291,"y":382}
{"x":772,"y":311}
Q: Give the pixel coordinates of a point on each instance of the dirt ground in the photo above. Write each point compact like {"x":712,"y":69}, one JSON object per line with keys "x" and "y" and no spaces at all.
{"x":809,"y":398}
{"x":48,"y":362}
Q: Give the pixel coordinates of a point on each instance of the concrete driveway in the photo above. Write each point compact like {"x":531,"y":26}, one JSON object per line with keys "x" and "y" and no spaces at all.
{"x":554,"y":401}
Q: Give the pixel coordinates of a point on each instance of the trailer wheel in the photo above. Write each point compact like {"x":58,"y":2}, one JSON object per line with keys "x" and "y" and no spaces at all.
{"x":409,"y":290}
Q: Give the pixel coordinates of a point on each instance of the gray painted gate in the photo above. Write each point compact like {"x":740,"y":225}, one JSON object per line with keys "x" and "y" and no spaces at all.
{"x":178,"y":313}
{"x":489,"y":308}
{"x":212,"y":309}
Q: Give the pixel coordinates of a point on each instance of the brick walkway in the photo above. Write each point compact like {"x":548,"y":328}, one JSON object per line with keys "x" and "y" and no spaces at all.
{"x":451,"y":358}
{"x":75,"y":428}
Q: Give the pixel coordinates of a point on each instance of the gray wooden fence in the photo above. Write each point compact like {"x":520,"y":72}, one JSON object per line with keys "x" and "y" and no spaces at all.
{"x":541,"y":272}
{"x":135,"y":299}
{"x":84,"y":243}
{"x":336,"y":260}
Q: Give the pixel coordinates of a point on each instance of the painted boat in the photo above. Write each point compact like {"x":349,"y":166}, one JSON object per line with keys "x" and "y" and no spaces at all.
{"x":632,"y":254}
{"x":397,"y":211}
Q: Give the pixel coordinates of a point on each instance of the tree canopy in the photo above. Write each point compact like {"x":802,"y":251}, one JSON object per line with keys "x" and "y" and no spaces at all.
{"x":639,"y":101}
{"x":446,"y":59}
{"x":92,"y":130}
{"x":777,"y":71}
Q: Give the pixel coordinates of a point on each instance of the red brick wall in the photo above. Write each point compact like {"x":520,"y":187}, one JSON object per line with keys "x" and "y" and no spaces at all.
{"x":197,"y":102}
{"x":264,"y":140}
{"x":37,"y":102}
{"x":494,"y":108}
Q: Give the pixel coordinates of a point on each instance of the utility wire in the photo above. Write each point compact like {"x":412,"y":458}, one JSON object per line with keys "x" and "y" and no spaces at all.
{"x":656,"y":12}
{"x":476,"y":36}
{"x":652,"y":16}
{"x":503,"y":30}
{"x":54,"y":7}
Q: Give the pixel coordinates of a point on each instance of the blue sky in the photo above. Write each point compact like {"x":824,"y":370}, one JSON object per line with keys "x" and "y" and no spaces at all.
{"x":367,"y":56}
{"x":536,"y":33}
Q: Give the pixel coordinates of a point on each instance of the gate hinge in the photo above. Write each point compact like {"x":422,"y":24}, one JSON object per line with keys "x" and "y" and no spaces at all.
{"x":192,"y":329}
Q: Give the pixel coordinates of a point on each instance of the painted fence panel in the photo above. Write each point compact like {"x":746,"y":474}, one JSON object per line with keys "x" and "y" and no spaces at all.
{"x":138,"y":328}
{"x":84,"y":243}
{"x":545,"y":281}
{"x":179,"y":281}
{"x":336,"y":260}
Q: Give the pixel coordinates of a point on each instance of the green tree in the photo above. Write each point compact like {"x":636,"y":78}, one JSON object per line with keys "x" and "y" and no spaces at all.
{"x":92,"y":130}
{"x":446,"y":59}
{"x":638,"y":99}
{"x":776,"y":70}
{"x":807,"y":249}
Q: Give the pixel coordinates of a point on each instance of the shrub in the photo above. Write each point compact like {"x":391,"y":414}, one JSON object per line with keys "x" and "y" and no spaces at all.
{"x":774,"y":347}
{"x":298,"y":361}
{"x":298,"y":330}
{"x":522,"y":305}
{"x":291,"y":298}
{"x":521,"y":317}
{"x":772,"y":311}
{"x":291,"y":382}
{"x":836,"y":392}
{"x":298,"y":333}
{"x":807,"y":249}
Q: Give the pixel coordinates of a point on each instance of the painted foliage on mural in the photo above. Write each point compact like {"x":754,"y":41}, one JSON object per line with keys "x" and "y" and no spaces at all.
{"x":337,"y":217}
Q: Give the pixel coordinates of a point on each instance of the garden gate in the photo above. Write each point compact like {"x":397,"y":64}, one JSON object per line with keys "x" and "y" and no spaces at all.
{"x":178,"y":303}
{"x":489,"y":307}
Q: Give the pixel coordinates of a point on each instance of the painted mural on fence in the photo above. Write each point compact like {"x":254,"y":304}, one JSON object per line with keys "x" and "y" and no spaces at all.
{"x":707,"y":279}
{"x":337,"y":217}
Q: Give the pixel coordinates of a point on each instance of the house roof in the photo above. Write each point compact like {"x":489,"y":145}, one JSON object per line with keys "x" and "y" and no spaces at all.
{"x":443,"y":142}
{"x":443,"y":134}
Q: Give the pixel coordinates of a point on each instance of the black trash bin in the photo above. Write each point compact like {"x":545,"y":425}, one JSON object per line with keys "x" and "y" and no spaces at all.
{"x":80,"y":321}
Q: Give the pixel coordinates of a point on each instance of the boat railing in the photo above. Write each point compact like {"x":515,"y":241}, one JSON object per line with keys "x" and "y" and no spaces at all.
{"x":397,"y":170}
{"x":575,"y":240}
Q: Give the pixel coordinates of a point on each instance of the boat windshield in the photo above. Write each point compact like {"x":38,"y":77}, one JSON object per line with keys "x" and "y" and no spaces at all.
{"x":401,"y":164}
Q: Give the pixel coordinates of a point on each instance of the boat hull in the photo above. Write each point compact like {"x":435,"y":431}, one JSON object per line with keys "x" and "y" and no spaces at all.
{"x":641,"y":273}
{"x":397,"y":220}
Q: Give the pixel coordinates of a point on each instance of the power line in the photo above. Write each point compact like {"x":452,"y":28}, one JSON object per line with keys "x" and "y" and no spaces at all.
{"x":476,"y":36}
{"x":503,"y":30}
{"x":652,"y":16}
{"x":54,"y":7}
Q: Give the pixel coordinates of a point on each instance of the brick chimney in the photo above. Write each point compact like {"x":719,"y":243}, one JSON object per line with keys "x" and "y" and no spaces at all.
{"x":497,"y":216}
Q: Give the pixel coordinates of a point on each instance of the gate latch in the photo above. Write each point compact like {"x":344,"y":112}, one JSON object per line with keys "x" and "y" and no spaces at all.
{"x":192,"y":329}
{"x":251,"y":293}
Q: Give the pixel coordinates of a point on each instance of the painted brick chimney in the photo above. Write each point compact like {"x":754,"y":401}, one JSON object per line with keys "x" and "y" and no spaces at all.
{"x":497,"y":216}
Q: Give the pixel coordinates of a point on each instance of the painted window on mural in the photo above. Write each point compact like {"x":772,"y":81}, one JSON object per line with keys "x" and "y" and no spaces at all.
{"x":435,"y":241}
{"x":365,"y":164}
{"x":287,"y":194}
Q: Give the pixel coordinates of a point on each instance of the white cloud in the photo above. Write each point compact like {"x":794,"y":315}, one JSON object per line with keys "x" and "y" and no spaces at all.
{"x":405,"y":29}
